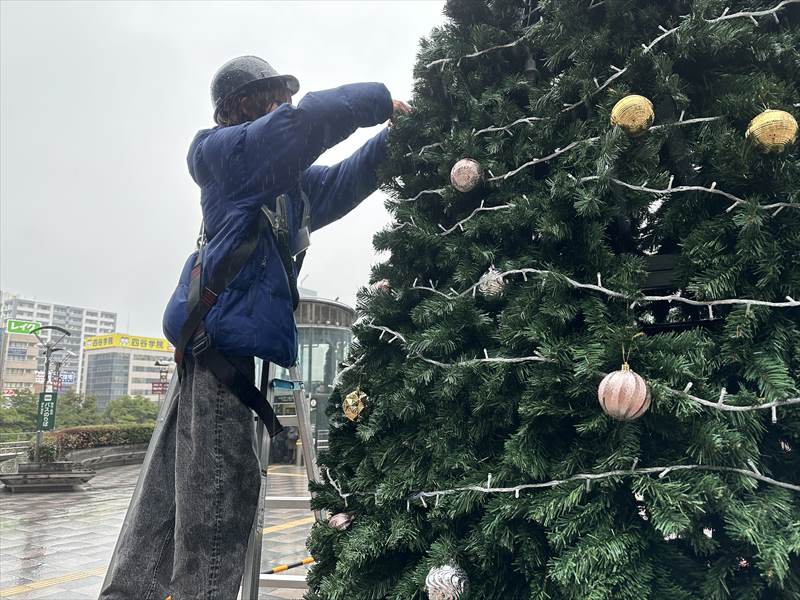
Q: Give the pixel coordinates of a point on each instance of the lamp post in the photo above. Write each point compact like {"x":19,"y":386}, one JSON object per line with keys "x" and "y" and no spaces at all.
{"x":163,"y":377}
{"x":50,"y":347}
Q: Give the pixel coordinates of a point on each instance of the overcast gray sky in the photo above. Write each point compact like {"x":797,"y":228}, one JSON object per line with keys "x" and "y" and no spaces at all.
{"x":99,"y":103}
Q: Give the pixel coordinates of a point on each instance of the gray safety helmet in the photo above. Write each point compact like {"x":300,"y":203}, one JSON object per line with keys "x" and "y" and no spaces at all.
{"x":245,"y":73}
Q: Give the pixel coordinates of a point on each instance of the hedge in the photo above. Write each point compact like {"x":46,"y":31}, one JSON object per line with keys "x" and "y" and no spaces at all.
{"x":94,"y":436}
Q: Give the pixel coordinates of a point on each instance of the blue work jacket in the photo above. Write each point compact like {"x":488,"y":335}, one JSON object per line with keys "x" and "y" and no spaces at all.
{"x":242,"y":167}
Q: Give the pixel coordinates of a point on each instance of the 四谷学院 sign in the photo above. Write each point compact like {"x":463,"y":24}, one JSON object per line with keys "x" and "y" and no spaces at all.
{"x":122,"y":340}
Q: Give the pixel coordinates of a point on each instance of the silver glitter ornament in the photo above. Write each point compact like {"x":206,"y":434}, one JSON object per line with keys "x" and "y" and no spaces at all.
{"x":491,"y":283}
{"x":466,"y":175}
{"x":448,"y":582}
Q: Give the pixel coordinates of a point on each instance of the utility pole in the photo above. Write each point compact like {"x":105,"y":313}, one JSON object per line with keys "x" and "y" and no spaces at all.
{"x":50,"y":348}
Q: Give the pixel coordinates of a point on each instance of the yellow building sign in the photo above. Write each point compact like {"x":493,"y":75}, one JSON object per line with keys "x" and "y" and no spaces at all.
{"x":122,"y":340}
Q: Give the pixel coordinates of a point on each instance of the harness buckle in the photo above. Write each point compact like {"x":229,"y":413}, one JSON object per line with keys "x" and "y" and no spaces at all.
{"x":201,"y":343}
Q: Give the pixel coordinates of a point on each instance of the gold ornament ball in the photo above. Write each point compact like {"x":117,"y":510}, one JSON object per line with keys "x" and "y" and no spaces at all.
{"x":772,"y":131}
{"x":634,"y":114}
{"x":466,"y":175}
{"x":624,"y":395}
{"x":354,"y":404}
{"x":341,"y":521}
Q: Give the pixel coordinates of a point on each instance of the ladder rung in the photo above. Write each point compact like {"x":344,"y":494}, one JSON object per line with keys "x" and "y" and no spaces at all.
{"x":288,"y":420}
{"x":284,"y":582}
{"x":290,"y":502}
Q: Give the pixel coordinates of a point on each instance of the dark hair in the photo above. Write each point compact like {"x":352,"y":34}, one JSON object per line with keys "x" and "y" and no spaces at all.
{"x":261,"y":99}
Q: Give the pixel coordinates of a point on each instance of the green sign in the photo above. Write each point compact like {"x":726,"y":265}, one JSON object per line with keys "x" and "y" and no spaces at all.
{"x":47,"y":411}
{"x":17,"y":326}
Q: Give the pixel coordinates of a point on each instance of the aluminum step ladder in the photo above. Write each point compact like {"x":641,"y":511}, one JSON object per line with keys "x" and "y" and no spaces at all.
{"x":253,"y":579}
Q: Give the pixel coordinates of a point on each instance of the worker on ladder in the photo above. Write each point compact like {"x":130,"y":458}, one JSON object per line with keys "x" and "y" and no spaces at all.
{"x":186,"y":532}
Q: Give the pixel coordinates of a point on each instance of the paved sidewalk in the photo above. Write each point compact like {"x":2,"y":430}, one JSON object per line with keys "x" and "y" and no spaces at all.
{"x":57,"y":545}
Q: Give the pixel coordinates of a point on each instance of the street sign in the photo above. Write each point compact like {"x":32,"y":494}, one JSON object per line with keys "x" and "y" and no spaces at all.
{"x":66,"y":377}
{"x":159,"y":387}
{"x":47,"y":411}
{"x":19,"y":326}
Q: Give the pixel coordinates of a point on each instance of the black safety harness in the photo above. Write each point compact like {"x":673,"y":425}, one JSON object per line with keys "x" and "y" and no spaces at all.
{"x":204,"y":294}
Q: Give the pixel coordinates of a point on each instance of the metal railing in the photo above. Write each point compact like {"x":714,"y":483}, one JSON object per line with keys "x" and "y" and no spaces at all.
{"x":22,"y":436}
{"x":14,"y":450}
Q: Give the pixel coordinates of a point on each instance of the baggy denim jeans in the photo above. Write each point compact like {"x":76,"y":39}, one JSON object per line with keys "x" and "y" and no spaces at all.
{"x":187,"y":529}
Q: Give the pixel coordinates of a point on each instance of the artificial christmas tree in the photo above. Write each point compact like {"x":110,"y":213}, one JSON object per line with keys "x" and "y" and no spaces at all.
{"x":484,"y":447}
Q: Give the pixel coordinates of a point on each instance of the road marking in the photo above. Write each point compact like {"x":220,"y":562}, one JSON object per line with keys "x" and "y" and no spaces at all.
{"x":45,"y":583}
{"x":274,"y":471}
{"x":288,"y":525}
{"x":97,"y":571}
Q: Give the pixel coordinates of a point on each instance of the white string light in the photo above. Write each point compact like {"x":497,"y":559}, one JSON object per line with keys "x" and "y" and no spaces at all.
{"x":398,"y":226}
{"x":396,"y":335}
{"x":444,"y":61}
{"x":591,"y":140}
{"x":346,"y":369}
{"x":496,"y":359}
{"x":666,"y":34}
{"x":680,"y":122}
{"x":604,"y":85}
{"x":336,"y":486}
{"x":789,"y":303}
{"x":490,"y":129}
{"x":752,"y":14}
{"x":537,"y":357}
{"x":736,"y":201}
{"x":425,"y":149}
{"x":661,"y":471}
{"x":439,"y":191}
{"x":480,"y":209}
{"x":719,"y":404}
{"x":554,"y":154}
{"x":529,"y":120}
{"x":507,"y":128}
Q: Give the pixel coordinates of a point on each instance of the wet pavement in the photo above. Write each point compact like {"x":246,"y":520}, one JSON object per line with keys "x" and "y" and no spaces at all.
{"x":58,"y":545}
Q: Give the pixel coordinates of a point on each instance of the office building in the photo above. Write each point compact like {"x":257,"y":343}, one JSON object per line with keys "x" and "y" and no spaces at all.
{"x":80,"y":322}
{"x":118,"y":364}
{"x":18,"y":362}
